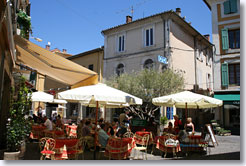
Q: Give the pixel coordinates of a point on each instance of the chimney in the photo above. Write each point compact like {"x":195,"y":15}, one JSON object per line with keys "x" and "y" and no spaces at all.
{"x":128,"y":19}
{"x":178,"y":11}
{"x":47,"y":47}
{"x":64,"y":51}
{"x":207,"y":36}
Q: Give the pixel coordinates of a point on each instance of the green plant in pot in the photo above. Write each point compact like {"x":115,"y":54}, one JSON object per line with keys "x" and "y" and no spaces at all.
{"x":18,"y":127}
{"x":163,"y":120}
{"x":24,"y":23}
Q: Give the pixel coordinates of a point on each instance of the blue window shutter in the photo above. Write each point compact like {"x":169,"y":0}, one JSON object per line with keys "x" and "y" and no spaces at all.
{"x":224,"y":38}
{"x":168,"y":113}
{"x":233,"y":5}
{"x":227,"y":9}
{"x":224,"y":74}
{"x":171,"y":113}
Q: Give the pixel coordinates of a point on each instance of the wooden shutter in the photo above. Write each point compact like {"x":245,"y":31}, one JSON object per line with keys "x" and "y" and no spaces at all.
{"x":227,"y":9}
{"x":233,"y":5}
{"x":224,"y":38}
{"x":224,"y":74}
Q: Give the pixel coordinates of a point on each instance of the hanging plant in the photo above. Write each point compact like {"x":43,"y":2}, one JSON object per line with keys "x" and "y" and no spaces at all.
{"x":24,"y":23}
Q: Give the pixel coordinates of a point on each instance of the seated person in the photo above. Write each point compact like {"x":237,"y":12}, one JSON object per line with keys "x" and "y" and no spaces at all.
{"x":109,"y":129}
{"x":59,"y":123}
{"x":189,"y":126}
{"x":48,"y":123}
{"x":103,"y":136}
{"x":170,"y":129}
{"x":79,"y":128}
{"x":183,"y":136}
{"x":86,"y":132}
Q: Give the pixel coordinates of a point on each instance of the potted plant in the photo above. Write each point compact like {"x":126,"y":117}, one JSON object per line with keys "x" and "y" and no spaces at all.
{"x":18,"y":127}
{"x":163,"y":122}
{"x":24,"y":23}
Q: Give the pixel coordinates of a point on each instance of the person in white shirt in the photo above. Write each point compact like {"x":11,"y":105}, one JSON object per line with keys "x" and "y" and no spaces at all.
{"x":48,"y":123}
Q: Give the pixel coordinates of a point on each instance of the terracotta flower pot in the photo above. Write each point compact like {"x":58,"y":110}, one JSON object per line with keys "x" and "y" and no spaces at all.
{"x":11,"y":155}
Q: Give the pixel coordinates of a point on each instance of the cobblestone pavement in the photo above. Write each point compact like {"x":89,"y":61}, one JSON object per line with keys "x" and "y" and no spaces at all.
{"x":228,"y":149}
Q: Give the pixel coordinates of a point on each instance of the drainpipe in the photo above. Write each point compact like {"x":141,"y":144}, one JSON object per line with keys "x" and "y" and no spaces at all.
{"x":195,"y":63}
{"x":166,"y":38}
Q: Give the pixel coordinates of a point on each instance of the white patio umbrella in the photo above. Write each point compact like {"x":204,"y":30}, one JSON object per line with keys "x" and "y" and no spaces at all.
{"x":59,"y":101}
{"x":100,"y":95}
{"x":187,"y":99}
{"x":41,"y":97}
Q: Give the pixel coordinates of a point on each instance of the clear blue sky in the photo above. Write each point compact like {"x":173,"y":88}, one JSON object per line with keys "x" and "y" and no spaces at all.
{"x":76,"y":25}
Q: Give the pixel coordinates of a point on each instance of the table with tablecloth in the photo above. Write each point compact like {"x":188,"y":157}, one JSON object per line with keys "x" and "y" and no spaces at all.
{"x":37,"y":131}
{"x":195,"y":143}
{"x":160,"y":144}
{"x":119,"y":148}
{"x":54,"y":133}
{"x":63,"y":148}
{"x":138,"y":137}
{"x":71,"y":130}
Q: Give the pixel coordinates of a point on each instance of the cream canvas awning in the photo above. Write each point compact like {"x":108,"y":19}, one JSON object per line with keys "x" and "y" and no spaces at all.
{"x":53,"y":65}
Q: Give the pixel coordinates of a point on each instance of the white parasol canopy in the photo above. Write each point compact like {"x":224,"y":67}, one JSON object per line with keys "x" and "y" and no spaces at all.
{"x":101,"y":93}
{"x":42,"y":97}
{"x":187,"y":99}
{"x":59,"y":101}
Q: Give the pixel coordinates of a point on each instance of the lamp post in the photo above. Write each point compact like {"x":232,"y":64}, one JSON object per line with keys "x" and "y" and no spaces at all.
{"x":36,"y":38}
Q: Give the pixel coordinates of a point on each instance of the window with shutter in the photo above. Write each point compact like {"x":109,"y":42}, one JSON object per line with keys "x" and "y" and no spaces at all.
{"x":227,"y":7}
{"x":230,"y":6}
{"x":121,"y":43}
{"x":224,"y":74}
{"x":233,"y":6}
{"x":224,"y":38}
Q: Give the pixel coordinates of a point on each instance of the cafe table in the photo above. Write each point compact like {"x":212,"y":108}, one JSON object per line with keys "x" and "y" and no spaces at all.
{"x":173,"y":147}
{"x":37,"y":131}
{"x":119,"y":148}
{"x":196,"y":143}
{"x":64,"y":149}
{"x":54,"y":133}
{"x":138,"y":137}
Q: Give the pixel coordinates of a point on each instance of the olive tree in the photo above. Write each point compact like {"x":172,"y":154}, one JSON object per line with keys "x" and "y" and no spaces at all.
{"x":148,"y":84}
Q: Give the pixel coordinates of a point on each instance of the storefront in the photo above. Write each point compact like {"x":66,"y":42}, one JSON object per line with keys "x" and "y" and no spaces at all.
{"x":230,"y":112}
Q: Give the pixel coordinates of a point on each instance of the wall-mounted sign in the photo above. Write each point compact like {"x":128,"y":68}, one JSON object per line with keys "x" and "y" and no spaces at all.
{"x":162,"y":59}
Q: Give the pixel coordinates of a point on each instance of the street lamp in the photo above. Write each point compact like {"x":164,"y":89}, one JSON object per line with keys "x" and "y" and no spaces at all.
{"x":36,"y":38}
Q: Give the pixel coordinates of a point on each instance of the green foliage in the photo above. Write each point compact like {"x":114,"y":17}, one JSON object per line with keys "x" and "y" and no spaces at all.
{"x":18,"y":128}
{"x":163,"y":120}
{"x":223,"y":131}
{"x":148,"y":84}
{"x":24,"y":23}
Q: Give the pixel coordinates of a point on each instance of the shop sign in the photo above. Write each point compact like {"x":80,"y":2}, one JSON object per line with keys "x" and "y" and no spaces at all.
{"x":162,"y":59}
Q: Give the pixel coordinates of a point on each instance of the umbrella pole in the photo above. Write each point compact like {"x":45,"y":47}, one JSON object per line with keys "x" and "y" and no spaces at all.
{"x":105,"y":113}
{"x":186,"y":111}
{"x":95,"y":139}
